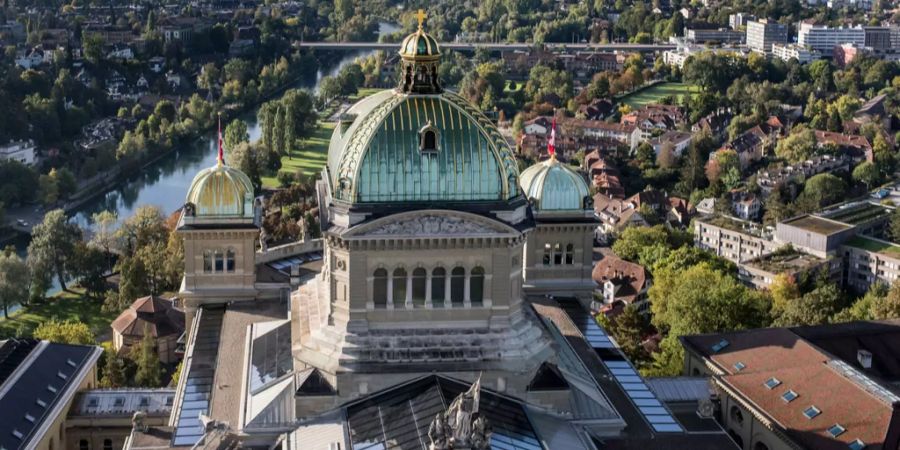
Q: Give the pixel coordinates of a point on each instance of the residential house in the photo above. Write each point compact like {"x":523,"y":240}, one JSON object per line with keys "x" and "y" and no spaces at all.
{"x":873,"y":111}
{"x":620,"y":283}
{"x":654,"y":118}
{"x":616,"y":214}
{"x":157,"y":64}
{"x":754,"y":143}
{"x":855,"y":146}
{"x":597,"y":109}
{"x":746,"y":205}
{"x":769,"y":179}
{"x":121,"y":51}
{"x":604,"y":176}
{"x":676,"y":140}
{"x":30,"y":59}
{"x":21,"y":151}
{"x":715,"y":124}
{"x":155,"y":315}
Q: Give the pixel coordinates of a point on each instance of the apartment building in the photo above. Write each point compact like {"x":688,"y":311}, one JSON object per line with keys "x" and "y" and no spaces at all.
{"x":761,"y":34}
{"x":823,"y":39}
{"x":720,"y":35}
{"x":733,"y":239}
{"x":787,"y":52}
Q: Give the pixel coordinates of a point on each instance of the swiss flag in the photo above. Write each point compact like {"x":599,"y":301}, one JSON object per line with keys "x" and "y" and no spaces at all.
{"x":551,"y":143}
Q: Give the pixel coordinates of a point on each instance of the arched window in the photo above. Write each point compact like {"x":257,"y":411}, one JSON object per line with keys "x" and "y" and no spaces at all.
{"x":428,"y":138}
{"x":418,"y":287}
{"x":379,"y":288}
{"x":457,"y":286}
{"x":438,"y":286}
{"x":220,"y":261}
{"x":736,"y":415}
{"x":760,"y":446}
{"x":207,"y":261}
{"x":229,"y":260}
{"x":399,"y":286}
{"x":107,"y":444}
{"x":84,"y":445}
{"x":476,"y":286}
{"x":548,"y":255}
{"x":570,"y":254}
{"x":557,"y":254}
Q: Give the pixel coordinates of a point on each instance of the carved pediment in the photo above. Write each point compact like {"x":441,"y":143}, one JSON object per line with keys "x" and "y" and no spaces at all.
{"x":431,"y":224}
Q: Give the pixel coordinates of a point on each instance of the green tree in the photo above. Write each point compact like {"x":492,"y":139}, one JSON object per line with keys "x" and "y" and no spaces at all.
{"x":821,"y":190}
{"x":814,"y":308}
{"x":235,"y":133}
{"x":797,"y":147}
{"x":629,"y":329}
{"x":13,"y":287}
{"x":784,"y":289}
{"x":92,"y":46}
{"x":113,"y":371}
{"x":89,"y":265}
{"x":147,"y":361}
{"x":53,"y":242}
{"x":629,"y":245}
{"x":868,"y":174}
{"x":68,"y":332}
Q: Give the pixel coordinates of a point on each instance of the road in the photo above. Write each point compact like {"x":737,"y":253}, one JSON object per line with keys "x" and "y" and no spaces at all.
{"x":470,"y":46}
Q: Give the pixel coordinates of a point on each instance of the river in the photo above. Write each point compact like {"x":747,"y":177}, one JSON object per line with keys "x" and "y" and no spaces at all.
{"x":165,"y":182}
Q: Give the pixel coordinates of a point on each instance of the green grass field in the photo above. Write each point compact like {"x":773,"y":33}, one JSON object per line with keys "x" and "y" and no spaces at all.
{"x":309,"y":158}
{"x":64,"y":306}
{"x":656,"y":93}
{"x":363,"y":93}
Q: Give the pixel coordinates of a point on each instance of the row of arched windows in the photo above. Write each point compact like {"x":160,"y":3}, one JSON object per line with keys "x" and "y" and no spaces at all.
{"x":419,"y":287}
{"x":557,"y":255}
{"x":218,"y":261}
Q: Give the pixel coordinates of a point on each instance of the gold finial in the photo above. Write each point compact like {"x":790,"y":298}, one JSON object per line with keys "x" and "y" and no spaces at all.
{"x":421,"y":16}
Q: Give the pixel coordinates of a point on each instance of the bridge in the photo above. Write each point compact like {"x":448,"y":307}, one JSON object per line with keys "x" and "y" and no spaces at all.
{"x":472,"y":46}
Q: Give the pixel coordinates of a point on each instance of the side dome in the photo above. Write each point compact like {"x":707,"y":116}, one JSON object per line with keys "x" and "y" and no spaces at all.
{"x":555,"y":187}
{"x":221,"y":191}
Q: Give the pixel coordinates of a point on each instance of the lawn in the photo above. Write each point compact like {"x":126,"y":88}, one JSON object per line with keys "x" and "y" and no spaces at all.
{"x":64,"y":306}
{"x":657,"y":92}
{"x":885,"y":248}
{"x":363,"y":93}
{"x":309,"y":158}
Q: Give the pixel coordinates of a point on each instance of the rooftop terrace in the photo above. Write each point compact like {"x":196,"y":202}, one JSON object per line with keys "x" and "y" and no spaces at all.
{"x":816,"y":224}
{"x":875,"y":245}
{"x":730,"y":223}
{"x":781,"y":261}
{"x":855,"y":214}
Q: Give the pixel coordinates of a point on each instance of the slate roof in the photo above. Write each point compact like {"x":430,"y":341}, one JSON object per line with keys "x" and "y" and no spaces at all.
{"x":44,"y":380}
{"x":628,"y":277}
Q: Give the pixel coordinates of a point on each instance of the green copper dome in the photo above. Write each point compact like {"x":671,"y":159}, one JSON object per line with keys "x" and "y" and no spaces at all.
{"x":221,"y":191}
{"x":419,"y":44}
{"x":552,"y":186}
{"x":398,"y":147}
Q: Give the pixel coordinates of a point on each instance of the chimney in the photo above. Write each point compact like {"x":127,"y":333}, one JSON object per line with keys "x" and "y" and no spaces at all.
{"x":865,"y":358}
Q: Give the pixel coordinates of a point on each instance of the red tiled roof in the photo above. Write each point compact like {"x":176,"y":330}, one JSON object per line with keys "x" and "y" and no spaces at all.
{"x":804,"y":369}
{"x":630,"y":277}
{"x":159,"y":314}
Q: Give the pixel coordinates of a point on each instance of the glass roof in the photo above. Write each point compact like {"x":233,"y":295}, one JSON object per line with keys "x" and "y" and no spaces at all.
{"x":270,"y":357}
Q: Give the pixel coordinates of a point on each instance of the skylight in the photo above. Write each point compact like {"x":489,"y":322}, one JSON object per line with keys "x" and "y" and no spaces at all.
{"x":61,"y":375}
{"x":772,"y":383}
{"x":18,"y":434}
{"x":119,"y":401}
{"x":29,"y":417}
{"x":93,"y":402}
{"x":857,"y":445}
{"x":71,"y":363}
{"x":51,"y":388}
{"x":716,"y":348}
{"x":836,"y":430}
{"x":811,"y":412}
{"x":789,"y":396}
{"x":739,"y":366}
{"x":41,"y":403}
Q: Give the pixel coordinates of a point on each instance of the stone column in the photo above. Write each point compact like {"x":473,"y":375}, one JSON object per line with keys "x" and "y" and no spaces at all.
{"x":390,"y":291}
{"x":409,"y":304}
{"x":447,"y":302}
{"x":428,"y":304}
{"x":370,"y":300}
{"x":467,"y":300}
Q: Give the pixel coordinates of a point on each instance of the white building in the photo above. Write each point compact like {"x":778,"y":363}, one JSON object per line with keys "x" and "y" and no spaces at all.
{"x":21,"y":151}
{"x":787,"y":52}
{"x":739,"y":20}
{"x":824,"y":39}
{"x":761,"y":34}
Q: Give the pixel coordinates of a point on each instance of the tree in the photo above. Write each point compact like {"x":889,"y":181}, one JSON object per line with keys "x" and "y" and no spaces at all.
{"x":145,"y":227}
{"x":797,"y":147}
{"x":895,"y":224}
{"x":235,"y":133}
{"x":68,"y":332}
{"x":104,"y":236}
{"x":247,"y":158}
{"x":784,"y":289}
{"x":821,"y":190}
{"x":92,"y":46}
{"x":814,"y":308}
{"x":629,"y":245}
{"x":868,"y":174}
{"x":864,"y":308}
{"x":629,"y":329}
{"x":13,"y":287}
{"x":701,"y":299}
{"x":113,"y":371}
{"x":89,"y":265}
{"x":666,"y":157}
{"x":148,"y":367}
{"x":53,"y":242}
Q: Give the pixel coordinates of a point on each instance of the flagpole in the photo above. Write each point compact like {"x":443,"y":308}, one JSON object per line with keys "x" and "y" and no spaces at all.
{"x":221,"y":158}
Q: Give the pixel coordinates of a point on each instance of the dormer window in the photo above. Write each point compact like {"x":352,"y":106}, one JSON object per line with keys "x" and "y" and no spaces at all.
{"x":429,"y":137}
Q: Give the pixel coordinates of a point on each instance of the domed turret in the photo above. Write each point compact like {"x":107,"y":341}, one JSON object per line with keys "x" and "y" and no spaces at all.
{"x":419,"y":58}
{"x":221,"y":191}
{"x":555,"y":187}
